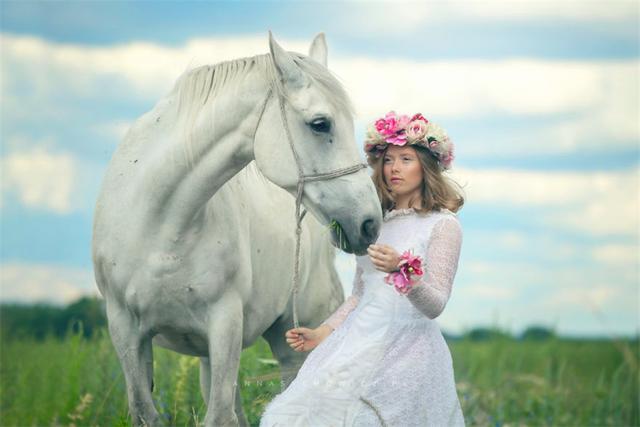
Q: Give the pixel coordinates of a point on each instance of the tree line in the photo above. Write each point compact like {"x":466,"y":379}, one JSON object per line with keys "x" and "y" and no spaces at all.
{"x":39,"y":321}
{"x":87,"y":315}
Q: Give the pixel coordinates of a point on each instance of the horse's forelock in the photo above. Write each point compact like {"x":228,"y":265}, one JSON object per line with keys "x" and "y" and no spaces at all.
{"x":331,"y":87}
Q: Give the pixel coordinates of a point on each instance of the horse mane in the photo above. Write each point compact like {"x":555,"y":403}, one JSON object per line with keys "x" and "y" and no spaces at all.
{"x":200,"y":85}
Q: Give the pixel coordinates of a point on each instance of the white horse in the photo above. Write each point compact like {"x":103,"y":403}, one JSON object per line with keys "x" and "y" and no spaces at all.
{"x":205,"y":268}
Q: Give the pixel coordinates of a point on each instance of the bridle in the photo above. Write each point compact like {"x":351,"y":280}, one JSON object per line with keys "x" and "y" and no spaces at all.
{"x":302,"y":178}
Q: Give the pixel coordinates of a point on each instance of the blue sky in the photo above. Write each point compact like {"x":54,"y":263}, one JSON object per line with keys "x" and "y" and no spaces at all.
{"x":540,"y":98}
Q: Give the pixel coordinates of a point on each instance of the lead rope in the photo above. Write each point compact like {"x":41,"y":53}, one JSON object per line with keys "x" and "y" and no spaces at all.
{"x":302,"y":178}
{"x":375,"y":410}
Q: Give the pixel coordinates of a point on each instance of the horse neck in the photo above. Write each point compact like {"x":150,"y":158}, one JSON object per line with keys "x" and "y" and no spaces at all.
{"x":200,"y":156}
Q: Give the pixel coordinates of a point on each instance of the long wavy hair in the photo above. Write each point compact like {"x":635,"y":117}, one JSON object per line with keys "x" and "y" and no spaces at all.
{"x":437,"y":191}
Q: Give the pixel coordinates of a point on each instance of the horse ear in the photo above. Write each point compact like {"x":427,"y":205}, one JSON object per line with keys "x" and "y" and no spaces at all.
{"x":318,"y":49}
{"x":288,"y":71}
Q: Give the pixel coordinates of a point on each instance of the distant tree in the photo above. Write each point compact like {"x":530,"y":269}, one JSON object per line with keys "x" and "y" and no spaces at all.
{"x":484,"y":334}
{"x":84,"y":315}
{"x":28,"y":321}
{"x":537,"y":333}
{"x":20,"y":321}
{"x":451,"y":337}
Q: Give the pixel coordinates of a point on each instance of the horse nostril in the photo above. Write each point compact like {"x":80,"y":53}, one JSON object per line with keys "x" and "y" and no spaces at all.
{"x":369,"y":230}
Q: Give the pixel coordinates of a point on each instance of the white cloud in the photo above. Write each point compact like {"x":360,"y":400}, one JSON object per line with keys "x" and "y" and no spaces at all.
{"x":600,"y":97}
{"x":552,"y":249}
{"x":506,"y":270}
{"x":394,"y":17}
{"x":40,"y":178}
{"x":490,"y":292}
{"x":599,"y":203}
{"x":115,"y":129}
{"x":512,"y":240}
{"x":598,"y":100}
{"x":541,"y":188}
{"x":596,"y":298}
{"x":589,"y":10}
{"x":618,"y":254}
{"x":22,"y":282}
{"x":546,"y":245}
{"x":150,"y":69}
{"x":593,"y":297}
{"x":604,"y":220}
{"x":476,"y":87}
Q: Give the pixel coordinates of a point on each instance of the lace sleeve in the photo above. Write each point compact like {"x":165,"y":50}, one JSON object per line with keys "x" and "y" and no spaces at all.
{"x":431,"y":293}
{"x":349,"y":304}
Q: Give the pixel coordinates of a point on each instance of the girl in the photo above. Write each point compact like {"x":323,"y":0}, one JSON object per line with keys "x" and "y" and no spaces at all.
{"x":381,"y":359}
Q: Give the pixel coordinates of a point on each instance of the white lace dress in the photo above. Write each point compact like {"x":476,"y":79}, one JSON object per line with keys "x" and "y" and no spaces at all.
{"x":386,"y":363}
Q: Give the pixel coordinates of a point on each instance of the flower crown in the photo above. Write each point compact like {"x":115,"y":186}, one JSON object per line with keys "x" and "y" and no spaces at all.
{"x":402,"y":130}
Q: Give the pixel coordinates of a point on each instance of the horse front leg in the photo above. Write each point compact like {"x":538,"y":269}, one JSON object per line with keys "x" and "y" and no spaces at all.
{"x":242,"y":417}
{"x":225,"y":346}
{"x":135,"y":353}
{"x":205,"y":388}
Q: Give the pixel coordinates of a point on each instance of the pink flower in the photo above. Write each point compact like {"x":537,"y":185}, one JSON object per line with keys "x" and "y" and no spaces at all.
{"x":419,"y":116}
{"x":416,"y":130}
{"x":448,"y":158}
{"x":398,"y":139}
{"x":403,"y":122}
{"x":411,"y":263}
{"x":392,"y":128}
{"x":409,"y":266}
{"x":388,"y":125}
{"x":383,"y":127}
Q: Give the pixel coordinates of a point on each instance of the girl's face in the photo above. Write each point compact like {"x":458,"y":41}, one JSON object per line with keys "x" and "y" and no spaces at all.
{"x":402,"y":171}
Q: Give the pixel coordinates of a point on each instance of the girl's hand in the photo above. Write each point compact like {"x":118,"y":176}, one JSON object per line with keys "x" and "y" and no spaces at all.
{"x":384,"y":257}
{"x":305,"y":339}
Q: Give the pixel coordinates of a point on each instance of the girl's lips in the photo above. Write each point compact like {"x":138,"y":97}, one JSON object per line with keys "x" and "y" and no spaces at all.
{"x":395,"y":180}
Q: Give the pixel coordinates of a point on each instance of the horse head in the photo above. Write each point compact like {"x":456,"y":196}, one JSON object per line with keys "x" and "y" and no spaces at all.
{"x":312,"y":132}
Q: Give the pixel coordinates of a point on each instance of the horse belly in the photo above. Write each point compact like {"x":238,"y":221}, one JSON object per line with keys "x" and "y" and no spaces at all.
{"x":179,"y":322}
{"x":191,"y":344}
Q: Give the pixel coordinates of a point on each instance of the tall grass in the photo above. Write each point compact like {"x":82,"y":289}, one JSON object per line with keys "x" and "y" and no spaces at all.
{"x":501,"y":382}
{"x":551,"y":383}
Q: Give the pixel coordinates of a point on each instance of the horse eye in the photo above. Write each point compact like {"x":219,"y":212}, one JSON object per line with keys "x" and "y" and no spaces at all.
{"x":320,"y":125}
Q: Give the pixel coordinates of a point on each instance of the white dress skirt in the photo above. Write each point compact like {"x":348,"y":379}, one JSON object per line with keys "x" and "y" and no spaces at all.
{"x":386,"y":363}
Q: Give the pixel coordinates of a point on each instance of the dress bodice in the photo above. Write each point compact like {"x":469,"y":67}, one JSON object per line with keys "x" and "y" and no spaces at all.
{"x":403,"y":230}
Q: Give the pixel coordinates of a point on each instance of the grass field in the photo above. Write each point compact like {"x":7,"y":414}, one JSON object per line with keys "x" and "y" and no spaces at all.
{"x":500,"y":382}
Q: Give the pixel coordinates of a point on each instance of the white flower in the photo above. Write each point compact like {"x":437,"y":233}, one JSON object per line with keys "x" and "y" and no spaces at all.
{"x":435,"y":131}
{"x":373,"y":137}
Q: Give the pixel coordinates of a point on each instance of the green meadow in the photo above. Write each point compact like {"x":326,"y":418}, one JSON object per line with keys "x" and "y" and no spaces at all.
{"x":501,"y":381}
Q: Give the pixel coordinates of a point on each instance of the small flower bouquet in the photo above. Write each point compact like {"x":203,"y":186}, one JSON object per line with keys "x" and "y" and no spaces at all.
{"x":410,"y":271}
